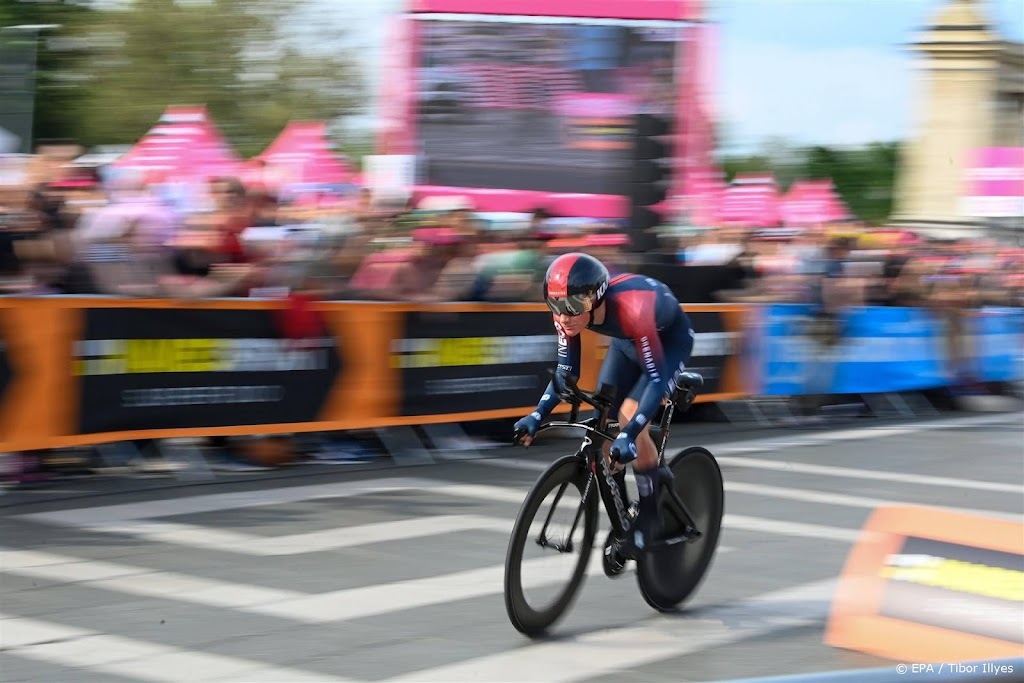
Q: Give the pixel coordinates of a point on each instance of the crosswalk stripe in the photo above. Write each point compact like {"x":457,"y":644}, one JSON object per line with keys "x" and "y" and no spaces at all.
{"x":790,"y":440}
{"x":135,"y":580}
{"x":783,"y":492}
{"x":111,"y":519}
{"x":296,"y":544}
{"x":340,"y":605}
{"x":215,"y":502}
{"x":398,"y":596}
{"x":119,"y":656}
{"x":780,"y":527}
{"x":97,"y":517}
{"x":857,"y":473}
{"x":603,"y":652}
{"x":861,"y":434}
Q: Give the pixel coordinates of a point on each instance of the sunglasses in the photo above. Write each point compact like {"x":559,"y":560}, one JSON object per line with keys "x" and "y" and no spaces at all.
{"x":574,"y":304}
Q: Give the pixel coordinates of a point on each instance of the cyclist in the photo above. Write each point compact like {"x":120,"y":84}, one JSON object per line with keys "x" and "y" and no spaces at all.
{"x":652,"y":341}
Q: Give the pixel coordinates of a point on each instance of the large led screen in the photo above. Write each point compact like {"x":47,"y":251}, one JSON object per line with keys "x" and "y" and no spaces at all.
{"x":538,"y":104}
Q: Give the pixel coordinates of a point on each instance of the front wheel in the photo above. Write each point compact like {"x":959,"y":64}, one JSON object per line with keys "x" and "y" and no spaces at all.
{"x":562,"y":534}
{"x":668,"y":575}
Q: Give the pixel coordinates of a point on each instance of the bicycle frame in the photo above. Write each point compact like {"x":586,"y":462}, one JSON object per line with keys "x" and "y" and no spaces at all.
{"x":590,"y":453}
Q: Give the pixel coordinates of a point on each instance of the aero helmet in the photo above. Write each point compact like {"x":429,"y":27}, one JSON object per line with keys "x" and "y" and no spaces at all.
{"x":575,"y":284}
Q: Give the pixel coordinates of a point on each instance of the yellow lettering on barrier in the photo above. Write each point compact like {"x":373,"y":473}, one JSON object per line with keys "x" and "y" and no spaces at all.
{"x":201,"y":355}
{"x":145,"y":355}
{"x":964,"y":577}
{"x":172,"y":355}
{"x":133,"y":356}
{"x":459,"y":351}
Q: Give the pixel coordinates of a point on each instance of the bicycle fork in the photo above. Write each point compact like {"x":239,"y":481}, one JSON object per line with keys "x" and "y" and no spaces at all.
{"x":565,"y":546}
{"x":610,"y":495}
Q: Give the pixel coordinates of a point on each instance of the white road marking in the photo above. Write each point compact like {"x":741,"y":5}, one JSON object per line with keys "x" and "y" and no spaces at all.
{"x":136,"y":580}
{"x":878,"y":475}
{"x":351,"y":603}
{"x":604,"y":652}
{"x":110,"y":519}
{"x":215,"y":502}
{"x":332,"y":606}
{"x":136,"y":659}
{"x":803,"y":495}
{"x":296,"y":544}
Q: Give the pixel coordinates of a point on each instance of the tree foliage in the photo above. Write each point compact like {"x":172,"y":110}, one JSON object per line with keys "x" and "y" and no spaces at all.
{"x":121,"y":64}
{"x":229,"y":55}
{"x":864,"y":177}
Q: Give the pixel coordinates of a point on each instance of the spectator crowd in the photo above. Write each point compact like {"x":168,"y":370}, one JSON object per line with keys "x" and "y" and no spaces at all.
{"x":70,"y":231}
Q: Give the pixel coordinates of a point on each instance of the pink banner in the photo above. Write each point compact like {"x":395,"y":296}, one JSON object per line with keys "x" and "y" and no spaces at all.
{"x":994,"y":183}
{"x":396,"y":108}
{"x":996,"y":172}
{"x":684,"y":10}
{"x":698,"y":183}
{"x":524,"y":201}
{"x":596,"y":105}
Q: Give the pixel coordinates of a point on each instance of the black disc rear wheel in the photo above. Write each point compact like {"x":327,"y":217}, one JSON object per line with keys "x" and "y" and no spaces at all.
{"x":668,"y":575}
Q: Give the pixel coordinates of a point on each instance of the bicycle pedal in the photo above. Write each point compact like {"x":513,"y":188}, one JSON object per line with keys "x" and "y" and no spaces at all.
{"x":613,"y":562}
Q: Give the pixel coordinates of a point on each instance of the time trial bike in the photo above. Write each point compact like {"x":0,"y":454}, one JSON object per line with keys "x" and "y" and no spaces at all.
{"x":668,"y":570}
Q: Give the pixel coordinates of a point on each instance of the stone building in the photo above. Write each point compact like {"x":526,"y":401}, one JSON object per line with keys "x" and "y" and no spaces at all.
{"x":972,"y":96}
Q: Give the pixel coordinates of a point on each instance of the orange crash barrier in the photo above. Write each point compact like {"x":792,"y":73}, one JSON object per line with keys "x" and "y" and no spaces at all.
{"x":77,"y":371}
{"x":929,"y":585}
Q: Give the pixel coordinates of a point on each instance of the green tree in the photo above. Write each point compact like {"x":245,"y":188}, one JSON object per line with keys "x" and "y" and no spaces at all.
{"x":864,"y":177}
{"x":232,"y":56}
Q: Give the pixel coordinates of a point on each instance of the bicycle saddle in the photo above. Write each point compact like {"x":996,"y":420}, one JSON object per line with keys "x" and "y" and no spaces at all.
{"x":689,"y":379}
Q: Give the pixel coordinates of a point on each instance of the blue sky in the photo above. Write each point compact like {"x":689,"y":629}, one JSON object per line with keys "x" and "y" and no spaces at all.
{"x":831,"y":72}
{"x":826,"y":71}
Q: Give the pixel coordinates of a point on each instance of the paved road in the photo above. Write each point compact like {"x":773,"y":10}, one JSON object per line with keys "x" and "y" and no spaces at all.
{"x":396,"y":574}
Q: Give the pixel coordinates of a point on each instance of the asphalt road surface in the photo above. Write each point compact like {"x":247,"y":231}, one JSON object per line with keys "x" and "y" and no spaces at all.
{"x":395,"y":574}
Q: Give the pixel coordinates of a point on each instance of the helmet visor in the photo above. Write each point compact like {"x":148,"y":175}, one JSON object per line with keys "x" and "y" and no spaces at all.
{"x":574,"y":304}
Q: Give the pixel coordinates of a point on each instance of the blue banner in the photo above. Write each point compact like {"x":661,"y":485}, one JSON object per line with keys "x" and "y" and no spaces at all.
{"x":881,"y":349}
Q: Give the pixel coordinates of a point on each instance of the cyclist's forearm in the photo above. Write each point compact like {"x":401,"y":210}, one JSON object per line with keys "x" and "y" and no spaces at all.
{"x":548,"y":401}
{"x":647,"y":407}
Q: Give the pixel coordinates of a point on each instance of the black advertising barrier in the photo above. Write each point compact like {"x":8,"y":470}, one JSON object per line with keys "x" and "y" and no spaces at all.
{"x":464,"y":362}
{"x":164,"y":368}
